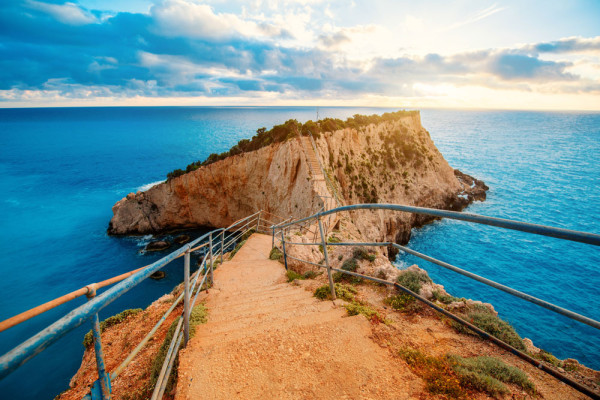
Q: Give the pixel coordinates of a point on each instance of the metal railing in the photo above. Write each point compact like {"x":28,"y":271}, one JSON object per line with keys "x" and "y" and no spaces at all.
{"x":219,"y":240}
{"x":565,"y":234}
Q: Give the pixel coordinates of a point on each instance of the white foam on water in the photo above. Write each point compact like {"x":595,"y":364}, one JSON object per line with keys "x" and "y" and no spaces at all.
{"x":147,"y":186}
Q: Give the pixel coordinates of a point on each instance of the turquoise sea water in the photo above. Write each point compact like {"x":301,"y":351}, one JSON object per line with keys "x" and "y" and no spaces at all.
{"x":61,"y":170}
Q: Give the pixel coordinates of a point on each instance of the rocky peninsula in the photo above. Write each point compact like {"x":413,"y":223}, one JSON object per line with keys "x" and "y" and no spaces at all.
{"x":389,"y":160}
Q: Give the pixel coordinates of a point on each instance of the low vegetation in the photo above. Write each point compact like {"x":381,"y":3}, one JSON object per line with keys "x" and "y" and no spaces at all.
{"x":444,"y":298}
{"x":198,"y":316}
{"x":293,"y":275}
{"x":343,"y":292}
{"x":456,"y":377}
{"x":485,"y":319}
{"x":489,"y":375}
{"x":360,"y":253}
{"x":276,"y":254}
{"x":351,"y":265}
{"x":291,"y":129}
{"x":413,"y":280}
{"x":357,"y":307}
{"x":402,"y":302}
{"x":88,"y":339}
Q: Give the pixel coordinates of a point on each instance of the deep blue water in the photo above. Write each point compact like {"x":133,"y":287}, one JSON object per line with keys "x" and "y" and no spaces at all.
{"x":61,"y":170}
{"x":541,"y":168}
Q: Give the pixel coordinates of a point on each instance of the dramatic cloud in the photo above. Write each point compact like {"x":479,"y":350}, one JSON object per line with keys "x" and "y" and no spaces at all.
{"x":184,"y":48}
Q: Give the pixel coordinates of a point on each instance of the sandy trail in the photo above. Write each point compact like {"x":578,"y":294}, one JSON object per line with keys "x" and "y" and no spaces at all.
{"x":268,"y":339}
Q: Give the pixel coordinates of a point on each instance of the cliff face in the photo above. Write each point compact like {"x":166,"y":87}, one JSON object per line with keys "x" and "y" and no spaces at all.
{"x":391,"y":162}
{"x":275,"y":178}
{"x":395,"y":162}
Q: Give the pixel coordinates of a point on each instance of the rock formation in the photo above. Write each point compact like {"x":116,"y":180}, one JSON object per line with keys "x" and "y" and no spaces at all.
{"x":390,"y":162}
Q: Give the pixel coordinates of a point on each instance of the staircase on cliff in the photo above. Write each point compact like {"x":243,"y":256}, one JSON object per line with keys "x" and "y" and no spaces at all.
{"x":313,"y":161}
{"x":266,"y":338}
{"x":321,"y":184}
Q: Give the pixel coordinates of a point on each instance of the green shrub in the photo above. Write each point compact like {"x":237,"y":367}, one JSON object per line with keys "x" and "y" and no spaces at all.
{"x":356,"y":308}
{"x":343,"y":292}
{"x":198,"y":315}
{"x":444,"y":298}
{"x":175,"y":173}
{"x":275,"y":254}
{"x":350,"y":265}
{"x":413,"y":280}
{"x":400,"y":301}
{"x":549,"y":358}
{"x":360,"y":253}
{"x":292,"y":275}
{"x":311,"y":274}
{"x":88,"y":339}
{"x":486,"y":320}
{"x":334,"y":239}
{"x":437,"y":373}
{"x":488,"y":374}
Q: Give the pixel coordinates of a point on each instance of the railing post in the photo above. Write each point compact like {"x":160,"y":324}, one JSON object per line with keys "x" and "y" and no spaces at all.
{"x":258,"y":220}
{"x":186,"y":298}
{"x":104,"y":378}
{"x":273,"y":237}
{"x":222,"y":244}
{"x":324,"y":244}
{"x":210,"y":247}
{"x":284,"y":253}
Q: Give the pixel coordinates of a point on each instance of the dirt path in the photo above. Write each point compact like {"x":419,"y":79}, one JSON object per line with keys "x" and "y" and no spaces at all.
{"x":268,"y":339}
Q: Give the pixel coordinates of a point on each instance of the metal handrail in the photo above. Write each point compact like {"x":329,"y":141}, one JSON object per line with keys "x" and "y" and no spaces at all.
{"x":565,"y":234}
{"x":42,"y":308}
{"x":101,"y":388}
{"x":560,"y":233}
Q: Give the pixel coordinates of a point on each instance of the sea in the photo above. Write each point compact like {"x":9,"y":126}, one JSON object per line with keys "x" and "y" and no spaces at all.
{"x":62,"y":169}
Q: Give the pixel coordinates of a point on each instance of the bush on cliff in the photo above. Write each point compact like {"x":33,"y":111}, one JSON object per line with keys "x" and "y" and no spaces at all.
{"x":290,"y":129}
{"x":485,"y":319}
{"x":198,"y":315}
{"x":413,"y":280}
{"x":88,"y":339}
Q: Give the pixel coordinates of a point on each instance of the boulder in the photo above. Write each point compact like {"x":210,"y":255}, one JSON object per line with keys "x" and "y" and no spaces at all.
{"x":181,"y":239}
{"x":158,"y":245}
{"x":158,"y":275}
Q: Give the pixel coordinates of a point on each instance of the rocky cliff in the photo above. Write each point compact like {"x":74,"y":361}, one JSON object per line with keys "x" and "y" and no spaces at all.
{"x":389,"y":162}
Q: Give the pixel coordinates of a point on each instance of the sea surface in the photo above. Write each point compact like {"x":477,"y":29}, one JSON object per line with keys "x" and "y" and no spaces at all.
{"x":62,"y":169}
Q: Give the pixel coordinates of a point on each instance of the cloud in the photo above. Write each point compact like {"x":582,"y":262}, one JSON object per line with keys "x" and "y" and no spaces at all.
{"x":524,"y":67}
{"x":192,"y":20}
{"x":67,"y":13}
{"x":334,"y":40}
{"x":181,"y":49}
{"x":566,"y":45}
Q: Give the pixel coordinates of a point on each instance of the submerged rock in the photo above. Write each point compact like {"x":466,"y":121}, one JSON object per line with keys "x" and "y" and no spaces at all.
{"x":158,"y":275}
{"x":181,"y":239}
{"x":158,"y":245}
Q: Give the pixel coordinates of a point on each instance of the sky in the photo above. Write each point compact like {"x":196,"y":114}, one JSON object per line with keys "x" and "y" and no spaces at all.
{"x":522,"y":54}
